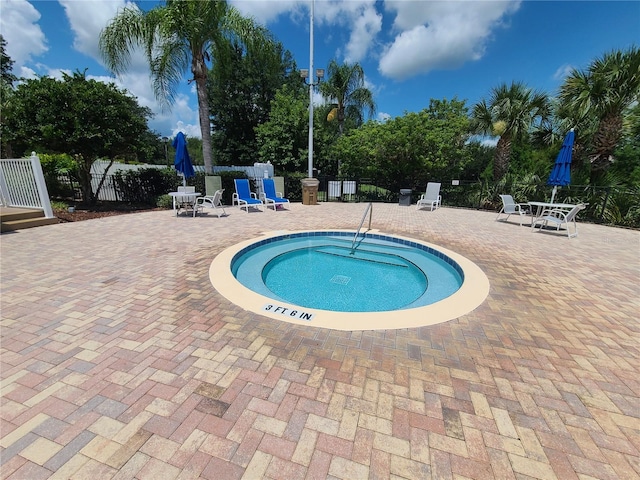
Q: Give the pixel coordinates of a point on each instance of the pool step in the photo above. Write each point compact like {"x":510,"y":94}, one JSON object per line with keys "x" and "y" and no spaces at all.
{"x":361,"y":255}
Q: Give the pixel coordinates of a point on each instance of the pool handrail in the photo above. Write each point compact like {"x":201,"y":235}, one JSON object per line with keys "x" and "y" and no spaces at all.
{"x":355,"y":237}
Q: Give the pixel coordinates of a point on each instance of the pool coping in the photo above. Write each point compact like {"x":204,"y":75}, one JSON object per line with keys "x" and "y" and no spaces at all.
{"x":469,"y":296}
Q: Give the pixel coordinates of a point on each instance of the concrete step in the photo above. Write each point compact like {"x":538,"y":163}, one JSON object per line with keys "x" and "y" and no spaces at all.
{"x":12,"y":218}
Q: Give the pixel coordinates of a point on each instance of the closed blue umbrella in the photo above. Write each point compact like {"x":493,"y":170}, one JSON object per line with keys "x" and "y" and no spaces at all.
{"x":183,"y":160}
{"x":560,"y":175}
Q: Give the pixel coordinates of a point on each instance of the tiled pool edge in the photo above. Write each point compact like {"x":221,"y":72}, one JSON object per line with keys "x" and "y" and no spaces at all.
{"x":471,"y":294}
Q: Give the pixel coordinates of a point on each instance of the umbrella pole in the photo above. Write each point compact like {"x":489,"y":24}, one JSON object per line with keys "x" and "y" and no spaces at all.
{"x":553,"y":193}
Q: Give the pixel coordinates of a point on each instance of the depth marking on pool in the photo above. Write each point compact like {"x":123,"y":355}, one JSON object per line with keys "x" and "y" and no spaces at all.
{"x":288,"y":312}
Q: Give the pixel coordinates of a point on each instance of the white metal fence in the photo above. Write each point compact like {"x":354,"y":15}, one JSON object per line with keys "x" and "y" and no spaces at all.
{"x":22,"y":184}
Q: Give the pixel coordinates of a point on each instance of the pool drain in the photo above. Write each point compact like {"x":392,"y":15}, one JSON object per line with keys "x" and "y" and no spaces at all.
{"x":340,"y":279}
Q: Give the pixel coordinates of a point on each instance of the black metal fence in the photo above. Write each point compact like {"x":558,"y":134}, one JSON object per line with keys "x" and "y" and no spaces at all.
{"x":609,"y":205}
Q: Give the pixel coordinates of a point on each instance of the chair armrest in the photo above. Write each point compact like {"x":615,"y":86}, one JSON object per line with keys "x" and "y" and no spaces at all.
{"x":557,"y":213}
{"x":253,"y":195}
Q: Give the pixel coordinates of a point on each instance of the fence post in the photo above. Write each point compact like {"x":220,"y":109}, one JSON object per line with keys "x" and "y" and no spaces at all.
{"x":4,"y":189}
{"x":41,"y":185}
{"x":604,"y":204}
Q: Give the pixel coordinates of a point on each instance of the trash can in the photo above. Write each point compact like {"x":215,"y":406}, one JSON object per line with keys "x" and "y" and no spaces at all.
{"x":405,"y":197}
{"x":310,"y":191}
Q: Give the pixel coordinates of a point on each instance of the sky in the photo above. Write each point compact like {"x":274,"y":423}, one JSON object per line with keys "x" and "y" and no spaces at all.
{"x":411,"y":51}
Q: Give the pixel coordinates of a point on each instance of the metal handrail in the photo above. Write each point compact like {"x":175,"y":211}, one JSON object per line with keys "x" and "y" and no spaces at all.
{"x":355,"y":237}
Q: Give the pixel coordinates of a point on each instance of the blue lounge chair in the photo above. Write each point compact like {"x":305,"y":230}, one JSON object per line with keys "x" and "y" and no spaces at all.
{"x":269,"y":195}
{"x":244,"y":197}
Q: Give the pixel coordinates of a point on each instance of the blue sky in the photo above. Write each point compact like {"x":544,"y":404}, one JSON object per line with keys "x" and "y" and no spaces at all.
{"x":411,"y":50}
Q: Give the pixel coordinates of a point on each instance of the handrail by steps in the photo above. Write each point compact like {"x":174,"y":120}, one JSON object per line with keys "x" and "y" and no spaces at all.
{"x":355,"y":237}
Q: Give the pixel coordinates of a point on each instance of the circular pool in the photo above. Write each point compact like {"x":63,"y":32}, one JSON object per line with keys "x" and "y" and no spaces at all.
{"x":332,"y":279}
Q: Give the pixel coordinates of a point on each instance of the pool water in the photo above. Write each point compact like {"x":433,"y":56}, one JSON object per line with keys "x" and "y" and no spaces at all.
{"x":327,"y":271}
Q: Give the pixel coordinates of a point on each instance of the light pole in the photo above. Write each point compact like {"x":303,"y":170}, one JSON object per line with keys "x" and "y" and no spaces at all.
{"x":165,"y":141}
{"x":304,"y":73}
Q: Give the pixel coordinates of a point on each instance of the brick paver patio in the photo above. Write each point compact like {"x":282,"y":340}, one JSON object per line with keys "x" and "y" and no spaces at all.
{"x":119,"y":359}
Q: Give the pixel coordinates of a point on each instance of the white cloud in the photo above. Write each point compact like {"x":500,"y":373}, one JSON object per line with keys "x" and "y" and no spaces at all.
{"x":266,"y":11}
{"x":20,"y":29}
{"x":562,"y":72}
{"x":366,"y":27}
{"x":383,"y":117}
{"x":359,"y":17}
{"x":440,"y":35}
{"x":87,"y":19}
{"x":26,"y":72}
{"x":190,"y":130}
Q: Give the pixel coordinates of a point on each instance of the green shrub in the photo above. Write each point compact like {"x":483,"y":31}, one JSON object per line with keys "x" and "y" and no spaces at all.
{"x":144,"y":186}
{"x":58,"y":205}
{"x":164,"y":201}
{"x":55,"y":166}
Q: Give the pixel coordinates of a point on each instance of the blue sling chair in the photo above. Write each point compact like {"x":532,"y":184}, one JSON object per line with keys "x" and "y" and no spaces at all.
{"x":244,"y":197}
{"x":270,"y":197}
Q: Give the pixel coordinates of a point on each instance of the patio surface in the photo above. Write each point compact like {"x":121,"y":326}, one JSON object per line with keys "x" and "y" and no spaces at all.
{"x":120,"y":360}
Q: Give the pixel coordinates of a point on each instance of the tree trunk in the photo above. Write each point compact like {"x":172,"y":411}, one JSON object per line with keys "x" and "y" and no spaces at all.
{"x":84,"y":174}
{"x":605,"y":141}
{"x":501,"y":159}
{"x":199,"y":70}
{"x":102,"y":180}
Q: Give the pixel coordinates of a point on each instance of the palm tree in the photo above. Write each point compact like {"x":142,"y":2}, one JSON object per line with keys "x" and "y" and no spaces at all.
{"x":510,"y":113}
{"x":179,"y":35}
{"x":603,"y":92}
{"x":345,"y":89}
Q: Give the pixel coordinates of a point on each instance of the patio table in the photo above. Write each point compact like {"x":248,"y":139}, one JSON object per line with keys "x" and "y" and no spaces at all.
{"x":181,"y":198}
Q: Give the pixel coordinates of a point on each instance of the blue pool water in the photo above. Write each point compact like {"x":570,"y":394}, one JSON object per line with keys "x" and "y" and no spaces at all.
{"x":321,"y":270}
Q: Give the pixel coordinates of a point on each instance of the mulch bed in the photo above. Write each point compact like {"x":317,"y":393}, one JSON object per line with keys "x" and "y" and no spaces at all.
{"x":100,"y":211}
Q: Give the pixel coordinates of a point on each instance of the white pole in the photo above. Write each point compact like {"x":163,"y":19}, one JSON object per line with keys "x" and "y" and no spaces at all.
{"x":311,"y":74}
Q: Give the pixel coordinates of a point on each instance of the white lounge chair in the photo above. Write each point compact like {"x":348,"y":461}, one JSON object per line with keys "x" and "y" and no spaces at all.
{"x":243,"y":196}
{"x":510,"y":207}
{"x":269,"y":196}
{"x":431,"y":198}
{"x":560,"y":217}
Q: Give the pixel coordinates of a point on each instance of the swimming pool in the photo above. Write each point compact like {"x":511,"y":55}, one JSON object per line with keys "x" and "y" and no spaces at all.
{"x":322,"y":278}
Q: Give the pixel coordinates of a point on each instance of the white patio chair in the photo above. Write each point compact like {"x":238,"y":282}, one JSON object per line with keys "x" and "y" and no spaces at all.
{"x":510,"y":207}
{"x":213,"y":202}
{"x":560,"y":217}
{"x":431,"y":197}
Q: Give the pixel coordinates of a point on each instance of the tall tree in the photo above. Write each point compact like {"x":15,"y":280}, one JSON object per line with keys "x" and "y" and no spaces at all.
{"x":282,"y":140}
{"x":511,"y":112}
{"x":83,"y":118}
{"x":6,"y":90}
{"x":242,"y":84}
{"x":603,"y":92}
{"x":345,"y":88}
{"x":6,"y":65}
{"x":409,"y":150}
{"x":180,"y":35}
